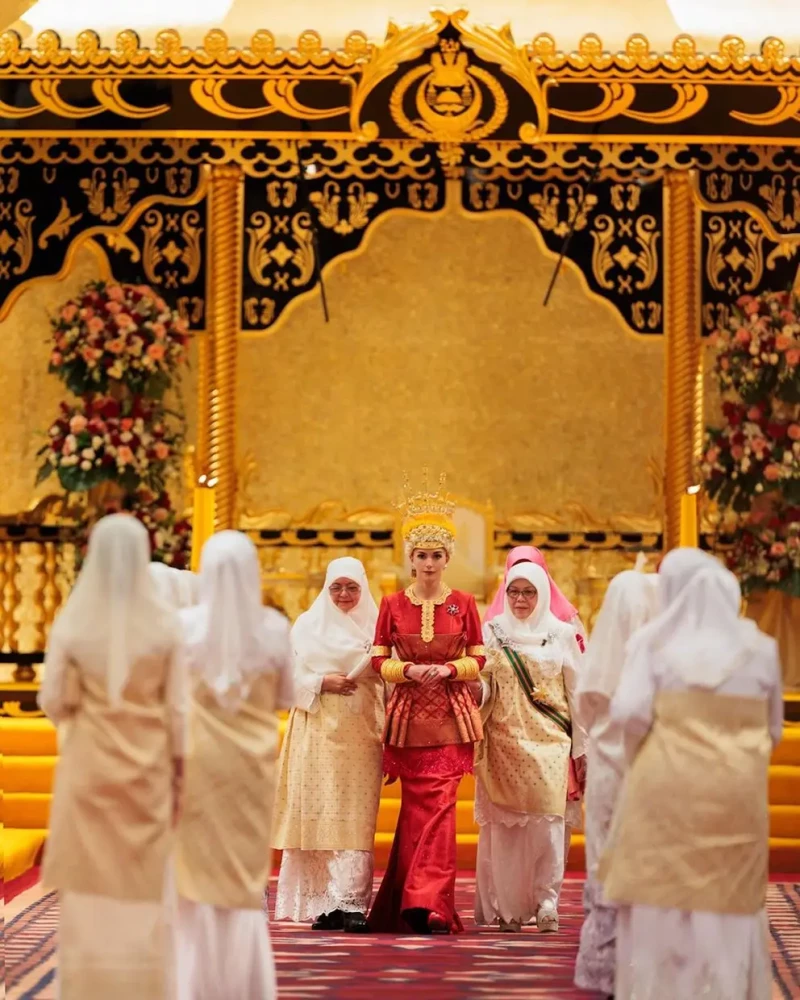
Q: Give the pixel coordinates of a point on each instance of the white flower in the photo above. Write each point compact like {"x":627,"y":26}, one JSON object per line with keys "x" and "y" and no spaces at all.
{"x":126,"y":437}
{"x":745,"y":464}
{"x":96,"y":442}
{"x":138,"y":425}
{"x":773,"y":359}
{"x":54,"y":431}
{"x":788,"y":458}
{"x":87,"y":453}
{"x":86,"y":465}
{"x":759,"y":487}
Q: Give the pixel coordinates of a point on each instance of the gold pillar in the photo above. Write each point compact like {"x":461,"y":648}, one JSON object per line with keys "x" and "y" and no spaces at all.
{"x":225,"y":282}
{"x":204,"y":367}
{"x":682,"y":331}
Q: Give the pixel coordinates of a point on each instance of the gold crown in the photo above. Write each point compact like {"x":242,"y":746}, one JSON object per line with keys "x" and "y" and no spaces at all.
{"x":428,"y":517}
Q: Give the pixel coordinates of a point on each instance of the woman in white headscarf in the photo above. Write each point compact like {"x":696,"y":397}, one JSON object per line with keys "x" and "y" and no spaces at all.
{"x":239,"y":663}
{"x":330,"y":778}
{"x":701,"y":704}
{"x":112,"y":673}
{"x":631,"y":600}
{"x":522,"y":763}
{"x":178,"y":587}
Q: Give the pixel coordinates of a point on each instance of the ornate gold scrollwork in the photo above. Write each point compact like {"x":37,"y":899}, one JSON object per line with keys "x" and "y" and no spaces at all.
{"x":746,"y":255}
{"x":280,"y":96}
{"x":359,"y":202}
{"x":20,"y":217}
{"x":603,"y":233}
{"x":618,"y":98}
{"x":260,"y":257}
{"x":123,"y":188}
{"x":48,"y":98}
{"x":774,"y":194}
{"x":184,"y":225}
{"x":547,"y":204}
{"x":60,"y":226}
{"x":787,"y":109}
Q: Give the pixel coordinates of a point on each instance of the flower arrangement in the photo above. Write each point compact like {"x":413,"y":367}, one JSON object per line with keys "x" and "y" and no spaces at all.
{"x":752,"y":454}
{"x":758,"y":355}
{"x":99,"y":439}
{"x":751,"y":465}
{"x":118,"y":333}
{"x":170,"y":535}
{"x":766,"y":552}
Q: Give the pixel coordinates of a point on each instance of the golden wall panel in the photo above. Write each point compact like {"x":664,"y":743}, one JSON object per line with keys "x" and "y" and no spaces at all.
{"x":440,"y":353}
{"x":30,"y":396}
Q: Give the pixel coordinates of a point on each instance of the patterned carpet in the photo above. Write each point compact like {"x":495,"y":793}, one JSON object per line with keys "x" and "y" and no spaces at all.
{"x":478,"y":965}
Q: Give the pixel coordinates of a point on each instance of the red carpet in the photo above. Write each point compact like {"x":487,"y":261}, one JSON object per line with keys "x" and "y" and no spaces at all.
{"x":478,"y":965}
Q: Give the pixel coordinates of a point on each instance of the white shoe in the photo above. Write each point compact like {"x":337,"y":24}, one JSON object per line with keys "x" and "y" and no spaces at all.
{"x":547,"y":918}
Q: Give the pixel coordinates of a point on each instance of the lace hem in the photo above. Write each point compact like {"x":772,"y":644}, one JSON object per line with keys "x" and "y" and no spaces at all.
{"x":315,"y":882}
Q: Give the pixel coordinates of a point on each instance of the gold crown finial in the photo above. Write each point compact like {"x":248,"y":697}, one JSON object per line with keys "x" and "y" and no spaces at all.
{"x":428,"y":515}
{"x":426,"y":501}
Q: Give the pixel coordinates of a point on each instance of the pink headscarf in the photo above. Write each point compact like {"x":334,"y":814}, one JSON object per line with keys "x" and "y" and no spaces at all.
{"x":559,"y":605}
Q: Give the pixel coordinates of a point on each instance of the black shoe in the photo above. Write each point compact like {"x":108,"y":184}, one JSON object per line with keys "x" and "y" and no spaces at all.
{"x":336,"y":920}
{"x":417,"y":920}
{"x":322,"y":923}
{"x":356,"y":923}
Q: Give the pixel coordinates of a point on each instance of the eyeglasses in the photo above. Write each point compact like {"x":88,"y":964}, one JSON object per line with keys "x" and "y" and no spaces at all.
{"x":351,"y":589}
{"x":521,"y":595}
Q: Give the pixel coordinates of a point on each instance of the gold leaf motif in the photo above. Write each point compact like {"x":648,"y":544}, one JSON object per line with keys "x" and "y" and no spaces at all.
{"x":647,"y":237}
{"x":787,"y":109}
{"x":152,"y":255}
{"x":258,"y":257}
{"x":602,"y":262}
{"x":303,"y":259}
{"x":327,"y":204}
{"x":715,"y":262}
{"x":60,"y":226}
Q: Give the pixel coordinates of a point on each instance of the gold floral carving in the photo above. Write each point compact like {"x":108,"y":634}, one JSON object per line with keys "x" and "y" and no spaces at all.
{"x":547,"y":205}
{"x":618,"y":98}
{"x":16,"y":216}
{"x":159,"y":247}
{"x":746,"y":268}
{"x":280,"y":94}
{"x":359,"y":203}
{"x":60,"y":226}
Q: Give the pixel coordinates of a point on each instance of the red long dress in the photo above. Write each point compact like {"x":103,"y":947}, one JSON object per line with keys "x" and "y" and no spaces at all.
{"x":428,"y":743}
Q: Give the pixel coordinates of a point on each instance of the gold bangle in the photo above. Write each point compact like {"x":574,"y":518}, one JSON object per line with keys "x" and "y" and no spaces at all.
{"x":466,"y":669}
{"x":393,"y":671}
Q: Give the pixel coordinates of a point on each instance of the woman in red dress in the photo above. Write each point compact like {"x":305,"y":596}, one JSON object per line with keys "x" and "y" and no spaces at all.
{"x":428,"y":644}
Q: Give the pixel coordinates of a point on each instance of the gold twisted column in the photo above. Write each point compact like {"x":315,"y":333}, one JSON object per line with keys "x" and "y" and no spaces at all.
{"x":682,"y":329}
{"x":202,"y":454}
{"x":225,"y":282}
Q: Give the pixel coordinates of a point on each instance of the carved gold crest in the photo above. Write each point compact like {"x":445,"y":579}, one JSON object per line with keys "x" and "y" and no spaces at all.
{"x":451,"y":98}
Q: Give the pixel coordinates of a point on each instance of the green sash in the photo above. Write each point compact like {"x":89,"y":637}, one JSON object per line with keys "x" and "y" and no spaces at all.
{"x":527,"y":685}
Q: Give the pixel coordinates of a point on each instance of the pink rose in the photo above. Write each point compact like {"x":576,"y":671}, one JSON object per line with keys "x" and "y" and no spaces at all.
{"x":772,"y":473}
{"x":759,"y":445}
{"x":742,"y":336}
{"x":161,"y":305}
{"x":712,"y":455}
{"x":161,"y":450}
{"x":116,"y":346}
{"x":159,"y":330}
{"x":754,"y":413}
{"x":724,"y":364}
{"x":778,"y":549}
{"x":793,"y":358}
{"x":160,"y":514}
{"x":78,"y":423}
{"x":70,"y":445}
{"x":794,"y":432}
{"x":95,"y":325}
{"x":114,"y":308}
{"x":751,"y":307}
{"x":56,"y":359}
{"x":115,"y":293}
{"x":124,"y":455}
{"x":69,"y":312}
{"x":788,"y":316}
{"x":783,"y":342}
{"x":737,"y":452}
{"x":156,"y":352}
{"x":123,"y":321}
{"x":126,"y":424}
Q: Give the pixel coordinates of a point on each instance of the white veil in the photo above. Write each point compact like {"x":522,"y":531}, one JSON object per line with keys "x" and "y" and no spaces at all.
{"x":326,"y":640}
{"x":631,"y":601}
{"x":114,"y":614}
{"x":230,"y":636}
{"x":178,"y":587}
{"x":699,"y":634}
{"x":529,"y":635}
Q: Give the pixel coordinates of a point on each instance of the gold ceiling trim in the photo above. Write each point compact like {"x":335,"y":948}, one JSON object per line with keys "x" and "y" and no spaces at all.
{"x":452,"y":206}
{"x":87,"y":237}
{"x":309,"y":57}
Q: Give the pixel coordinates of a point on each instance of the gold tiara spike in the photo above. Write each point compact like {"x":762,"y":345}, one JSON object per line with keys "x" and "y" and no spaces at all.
{"x":426,"y":501}
{"x":428,"y":516}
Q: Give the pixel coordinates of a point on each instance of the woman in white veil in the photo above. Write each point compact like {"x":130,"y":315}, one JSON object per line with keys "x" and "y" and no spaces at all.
{"x":239,"y":663}
{"x":330,"y":775}
{"x":631,"y":600}
{"x":700,"y":701}
{"x":112,"y":672}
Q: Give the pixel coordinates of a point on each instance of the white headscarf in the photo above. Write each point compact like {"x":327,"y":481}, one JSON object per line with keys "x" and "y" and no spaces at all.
{"x":231,"y":638}
{"x":114,"y":615}
{"x":631,"y":601}
{"x":699,"y":635}
{"x":531,"y":634}
{"x":178,"y":587}
{"x":326,"y":640}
